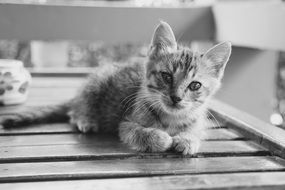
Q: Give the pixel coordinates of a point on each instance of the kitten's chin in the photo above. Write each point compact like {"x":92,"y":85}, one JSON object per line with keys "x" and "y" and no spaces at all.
{"x":175,"y":107}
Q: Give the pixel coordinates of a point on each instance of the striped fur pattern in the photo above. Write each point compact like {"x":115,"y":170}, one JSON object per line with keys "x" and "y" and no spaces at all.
{"x":153,"y":106}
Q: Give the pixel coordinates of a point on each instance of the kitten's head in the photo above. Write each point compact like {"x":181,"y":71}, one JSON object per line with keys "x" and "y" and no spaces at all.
{"x":178,"y":78}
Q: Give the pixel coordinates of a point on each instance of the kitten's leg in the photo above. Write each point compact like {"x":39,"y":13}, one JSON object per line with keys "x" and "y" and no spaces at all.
{"x":188,"y":142}
{"x":144,"y":139}
{"x":83,"y":123}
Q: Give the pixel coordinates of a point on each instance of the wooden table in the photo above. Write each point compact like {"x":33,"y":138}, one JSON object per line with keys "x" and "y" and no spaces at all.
{"x":240,"y":152}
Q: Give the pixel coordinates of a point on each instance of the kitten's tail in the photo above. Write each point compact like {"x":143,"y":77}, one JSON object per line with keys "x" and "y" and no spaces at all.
{"x":36,"y":115}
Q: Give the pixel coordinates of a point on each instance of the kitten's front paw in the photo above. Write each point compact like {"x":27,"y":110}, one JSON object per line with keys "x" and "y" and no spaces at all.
{"x":186,"y":146}
{"x":144,"y":139}
{"x":158,"y":141}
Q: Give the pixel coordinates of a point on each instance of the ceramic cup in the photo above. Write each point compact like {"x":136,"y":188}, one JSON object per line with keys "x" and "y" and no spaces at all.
{"x":14,"y":82}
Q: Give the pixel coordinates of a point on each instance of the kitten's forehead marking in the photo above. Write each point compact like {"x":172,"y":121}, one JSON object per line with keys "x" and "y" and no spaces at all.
{"x":194,"y":67}
{"x":185,"y":69}
{"x":181,"y":63}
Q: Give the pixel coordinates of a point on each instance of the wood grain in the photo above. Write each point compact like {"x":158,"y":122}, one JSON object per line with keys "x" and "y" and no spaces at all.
{"x":103,"y":147}
{"x":135,"y":167}
{"x":222,"y":134}
{"x":253,"y":180}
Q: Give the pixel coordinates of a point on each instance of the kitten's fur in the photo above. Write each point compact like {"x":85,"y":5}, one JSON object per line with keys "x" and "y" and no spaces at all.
{"x":151,"y":105}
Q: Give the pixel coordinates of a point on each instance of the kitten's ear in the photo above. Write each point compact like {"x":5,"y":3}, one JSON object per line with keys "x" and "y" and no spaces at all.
{"x":163,"y":40}
{"x":216,"y":58}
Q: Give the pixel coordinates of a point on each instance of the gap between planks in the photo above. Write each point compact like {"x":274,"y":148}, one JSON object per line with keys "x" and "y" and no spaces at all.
{"x":66,"y":131}
{"x":67,"y":128}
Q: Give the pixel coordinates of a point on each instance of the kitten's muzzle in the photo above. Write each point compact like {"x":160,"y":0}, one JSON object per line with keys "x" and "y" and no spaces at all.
{"x":175,"y":99}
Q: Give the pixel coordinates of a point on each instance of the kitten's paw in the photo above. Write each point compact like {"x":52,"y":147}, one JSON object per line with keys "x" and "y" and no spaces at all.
{"x":186,"y":146}
{"x":82,"y":123}
{"x":86,"y":127}
{"x":158,"y":141}
{"x":144,"y":139}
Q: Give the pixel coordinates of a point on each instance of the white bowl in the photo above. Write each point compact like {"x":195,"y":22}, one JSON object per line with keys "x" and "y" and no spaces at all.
{"x":14,"y":82}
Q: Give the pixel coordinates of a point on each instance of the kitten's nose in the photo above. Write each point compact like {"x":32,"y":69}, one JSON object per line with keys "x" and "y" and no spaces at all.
{"x":175,"y":99}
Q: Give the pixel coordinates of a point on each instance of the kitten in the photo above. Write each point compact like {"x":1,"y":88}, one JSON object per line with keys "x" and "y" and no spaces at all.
{"x":153,"y":106}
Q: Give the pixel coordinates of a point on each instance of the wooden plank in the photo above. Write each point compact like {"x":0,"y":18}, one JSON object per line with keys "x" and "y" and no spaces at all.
{"x":52,"y":22}
{"x":266,"y":135}
{"x":58,"y":139}
{"x":135,"y":167}
{"x":222,"y":134}
{"x":80,"y":138}
{"x":253,"y":27}
{"x":254,"y":180}
{"x":104,"y":147}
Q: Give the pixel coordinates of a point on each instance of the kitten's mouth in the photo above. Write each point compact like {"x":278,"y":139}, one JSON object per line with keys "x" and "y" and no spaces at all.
{"x":176,"y":106}
{"x":173,"y":106}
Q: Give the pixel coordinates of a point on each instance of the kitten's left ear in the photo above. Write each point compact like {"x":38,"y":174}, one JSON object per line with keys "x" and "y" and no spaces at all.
{"x":216,"y":58}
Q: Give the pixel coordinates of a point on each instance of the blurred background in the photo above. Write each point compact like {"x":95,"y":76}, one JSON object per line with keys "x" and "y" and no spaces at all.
{"x":67,"y":37}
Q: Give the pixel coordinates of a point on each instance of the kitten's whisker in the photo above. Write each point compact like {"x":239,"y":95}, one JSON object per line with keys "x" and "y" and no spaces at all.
{"x":132,"y":97}
{"x":216,"y":121}
{"x":138,"y":100}
{"x":156,"y":103}
{"x":130,"y":107}
{"x":130,"y":100}
{"x":139,"y":107}
{"x":143,"y":101}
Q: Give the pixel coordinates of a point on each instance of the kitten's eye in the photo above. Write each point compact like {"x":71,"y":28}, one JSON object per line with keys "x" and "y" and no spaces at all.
{"x":195,"y":85}
{"x":167,"y":78}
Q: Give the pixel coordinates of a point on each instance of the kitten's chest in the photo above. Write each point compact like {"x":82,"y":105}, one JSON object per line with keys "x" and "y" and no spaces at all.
{"x":175,"y":125}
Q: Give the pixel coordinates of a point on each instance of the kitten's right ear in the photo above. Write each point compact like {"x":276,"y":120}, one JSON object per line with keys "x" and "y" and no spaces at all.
{"x":163,"y":40}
